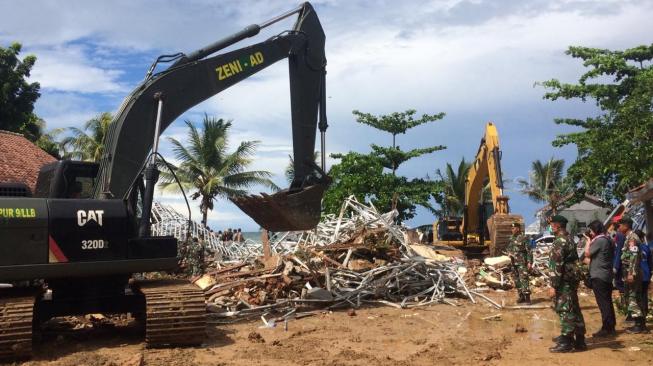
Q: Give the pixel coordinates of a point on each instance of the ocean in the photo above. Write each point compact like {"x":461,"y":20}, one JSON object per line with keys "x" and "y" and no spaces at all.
{"x":253,"y":235}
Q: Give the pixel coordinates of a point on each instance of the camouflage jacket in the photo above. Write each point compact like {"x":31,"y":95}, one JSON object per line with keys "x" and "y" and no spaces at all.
{"x":563,"y":262}
{"x":631,"y":256}
{"x":519,"y":248}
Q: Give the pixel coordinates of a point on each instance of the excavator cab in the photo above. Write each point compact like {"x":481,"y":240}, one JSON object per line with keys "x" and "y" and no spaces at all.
{"x":66,"y":179}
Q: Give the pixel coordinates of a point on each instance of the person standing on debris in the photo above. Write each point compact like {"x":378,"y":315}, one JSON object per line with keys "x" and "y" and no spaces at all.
{"x":631,"y":273}
{"x":565,"y":276}
{"x":600,"y":251}
{"x":521,"y":255}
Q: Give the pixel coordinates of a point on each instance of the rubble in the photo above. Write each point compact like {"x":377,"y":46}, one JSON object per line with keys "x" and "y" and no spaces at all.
{"x":361,"y":256}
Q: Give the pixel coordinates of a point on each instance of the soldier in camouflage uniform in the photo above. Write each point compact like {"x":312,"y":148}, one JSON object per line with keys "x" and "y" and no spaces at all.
{"x":521,"y":255}
{"x":565,"y":276}
{"x":632,"y":276}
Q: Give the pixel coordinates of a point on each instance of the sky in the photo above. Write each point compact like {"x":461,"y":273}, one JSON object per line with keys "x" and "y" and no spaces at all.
{"x":475,"y":60}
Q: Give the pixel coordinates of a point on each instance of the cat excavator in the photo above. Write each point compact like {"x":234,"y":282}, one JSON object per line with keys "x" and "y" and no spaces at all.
{"x":73,"y":247}
{"x":482,"y":228}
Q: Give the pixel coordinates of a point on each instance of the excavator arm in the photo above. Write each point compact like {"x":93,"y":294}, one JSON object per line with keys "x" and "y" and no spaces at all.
{"x":193,"y":78}
{"x":486,"y":169}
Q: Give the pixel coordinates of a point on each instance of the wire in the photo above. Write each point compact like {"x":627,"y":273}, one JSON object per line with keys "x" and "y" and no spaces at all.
{"x":162,"y":59}
{"x":169,"y":166}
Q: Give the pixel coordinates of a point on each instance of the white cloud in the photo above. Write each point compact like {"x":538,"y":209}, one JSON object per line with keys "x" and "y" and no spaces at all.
{"x":66,"y":68}
{"x":65,"y":109}
{"x":476,"y":60}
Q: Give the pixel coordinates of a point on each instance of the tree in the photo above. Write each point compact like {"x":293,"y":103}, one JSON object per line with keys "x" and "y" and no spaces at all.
{"x":546,"y":183}
{"x":208,"y":169}
{"x":363,"y":175}
{"x":614,"y":147}
{"x":397,"y":123}
{"x":453,"y":183}
{"x":17,"y":96}
{"x":289,"y":173}
{"x":88,"y":147}
{"x":48,"y":142}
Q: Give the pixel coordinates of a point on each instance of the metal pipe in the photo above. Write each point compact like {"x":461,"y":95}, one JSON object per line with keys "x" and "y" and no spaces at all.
{"x":247,"y":32}
{"x":157,"y":127}
{"x":323,"y":150}
{"x":283,"y":16}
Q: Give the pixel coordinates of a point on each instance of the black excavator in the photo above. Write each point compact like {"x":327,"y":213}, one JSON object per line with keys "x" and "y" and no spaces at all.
{"x":76,"y":243}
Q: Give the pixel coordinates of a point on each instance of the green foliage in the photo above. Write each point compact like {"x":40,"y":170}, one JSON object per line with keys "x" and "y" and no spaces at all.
{"x":547,"y":183}
{"x":393,"y":157}
{"x":614,"y":149}
{"x":397,"y":123}
{"x":88,"y":146}
{"x":363,"y":175}
{"x":17,"y":96}
{"x":453,"y":183}
{"x":208,"y":170}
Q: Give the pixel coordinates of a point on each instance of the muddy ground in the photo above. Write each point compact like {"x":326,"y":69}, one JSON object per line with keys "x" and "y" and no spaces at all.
{"x":435,"y":335}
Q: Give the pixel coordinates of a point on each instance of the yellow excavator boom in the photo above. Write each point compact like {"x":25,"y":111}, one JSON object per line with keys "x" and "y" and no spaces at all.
{"x":486,"y":169}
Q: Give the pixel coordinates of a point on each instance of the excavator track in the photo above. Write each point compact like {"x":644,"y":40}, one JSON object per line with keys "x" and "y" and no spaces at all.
{"x":175,"y":313}
{"x":16,"y":314}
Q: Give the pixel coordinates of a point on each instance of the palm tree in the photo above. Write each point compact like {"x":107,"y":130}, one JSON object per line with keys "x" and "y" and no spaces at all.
{"x":290,"y":168}
{"x":546,"y":183}
{"x":88,"y":147}
{"x":454,"y":187}
{"x":208,"y":169}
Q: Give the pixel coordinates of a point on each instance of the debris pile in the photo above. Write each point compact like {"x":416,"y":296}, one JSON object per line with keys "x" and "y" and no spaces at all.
{"x":360,"y":256}
{"x":495,"y":271}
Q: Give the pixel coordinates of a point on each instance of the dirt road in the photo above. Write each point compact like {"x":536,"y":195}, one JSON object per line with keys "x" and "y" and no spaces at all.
{"x":436,"y":335}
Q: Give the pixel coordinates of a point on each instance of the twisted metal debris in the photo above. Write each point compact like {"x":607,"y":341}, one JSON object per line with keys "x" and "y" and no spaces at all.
{"x":339,"y":268}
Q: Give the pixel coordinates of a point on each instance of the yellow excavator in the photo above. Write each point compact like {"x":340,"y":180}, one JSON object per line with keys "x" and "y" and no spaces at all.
{"x":480,"y":228}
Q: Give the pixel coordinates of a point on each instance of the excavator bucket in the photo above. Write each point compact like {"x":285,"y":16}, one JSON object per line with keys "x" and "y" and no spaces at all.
{"x":284,"y":210}
{"x":499,"y":225}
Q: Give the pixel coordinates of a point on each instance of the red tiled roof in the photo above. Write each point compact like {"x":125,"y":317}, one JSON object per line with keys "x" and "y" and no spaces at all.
{"x":20,"y":159}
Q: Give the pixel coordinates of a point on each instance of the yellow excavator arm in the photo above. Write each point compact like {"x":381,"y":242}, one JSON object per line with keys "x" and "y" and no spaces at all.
{"x":486,"y":169}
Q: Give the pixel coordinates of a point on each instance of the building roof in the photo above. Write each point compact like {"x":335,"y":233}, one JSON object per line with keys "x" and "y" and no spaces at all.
{"x":565,"y":202}
{"x":642,"y":193}
{"x":20,"y":159}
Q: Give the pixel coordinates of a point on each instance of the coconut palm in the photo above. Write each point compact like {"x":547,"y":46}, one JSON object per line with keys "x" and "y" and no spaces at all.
{"x":454,"y":187}
{"x":88,"y":146}
{"x":290,"y":168}
{"x":546,"y":183}
{"x":208,"y":170}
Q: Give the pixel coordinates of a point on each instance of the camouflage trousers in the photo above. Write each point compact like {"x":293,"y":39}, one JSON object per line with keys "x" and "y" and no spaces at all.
{"x":633,"y":299}
{"x":568,"y":309}
{"x":521,"y":279}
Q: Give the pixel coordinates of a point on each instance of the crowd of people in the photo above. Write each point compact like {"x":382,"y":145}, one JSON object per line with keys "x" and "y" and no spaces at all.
{"x":229,"y":235}
{"x":613,"y":258}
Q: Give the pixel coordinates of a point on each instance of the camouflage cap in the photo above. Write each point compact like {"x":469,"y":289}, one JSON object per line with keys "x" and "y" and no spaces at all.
{"x":626,"y":221}
{"x":559,"y":219}
{"x":516,"y":224}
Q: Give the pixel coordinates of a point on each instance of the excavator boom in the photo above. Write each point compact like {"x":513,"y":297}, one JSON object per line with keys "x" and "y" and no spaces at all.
{"x":486,"y":169}
{"x":194,"y":78}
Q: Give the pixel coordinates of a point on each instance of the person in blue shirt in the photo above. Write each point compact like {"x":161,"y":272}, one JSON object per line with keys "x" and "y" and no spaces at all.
{"x":618,"y":239}
{"x":646,"y":266}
